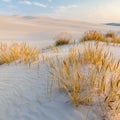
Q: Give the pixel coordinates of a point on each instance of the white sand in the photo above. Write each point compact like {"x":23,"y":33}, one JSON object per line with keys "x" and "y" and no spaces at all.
{"x":24,"y":96}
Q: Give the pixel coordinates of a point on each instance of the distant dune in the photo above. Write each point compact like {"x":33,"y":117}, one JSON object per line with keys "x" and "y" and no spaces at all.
{"x":113,"y":24}
{"x":42,"y":30}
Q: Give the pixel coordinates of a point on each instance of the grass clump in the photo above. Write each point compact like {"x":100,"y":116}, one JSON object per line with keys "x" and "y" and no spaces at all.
{"x":63,"y":38}
{"x":109,"y":37}
{"x":89,"y":75}
{"x":110,"y":34}
{"x":21,"y":52}
{"x":92,"y":35}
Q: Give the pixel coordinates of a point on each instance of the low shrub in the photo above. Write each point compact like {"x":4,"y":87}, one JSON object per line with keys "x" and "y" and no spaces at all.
{"x":15,"y":51}
{"x":89,"y":75}
{"x":92,"y":35}
{"x":109,"y":37}
{"x":63,"y":38}
{"x":110,"y":34}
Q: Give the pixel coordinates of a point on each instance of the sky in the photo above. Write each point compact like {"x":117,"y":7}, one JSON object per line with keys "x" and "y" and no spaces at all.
{"x":82,"y":10}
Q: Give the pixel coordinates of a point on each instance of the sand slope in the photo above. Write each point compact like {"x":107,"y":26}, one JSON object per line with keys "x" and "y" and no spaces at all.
{"x":24,"y":96}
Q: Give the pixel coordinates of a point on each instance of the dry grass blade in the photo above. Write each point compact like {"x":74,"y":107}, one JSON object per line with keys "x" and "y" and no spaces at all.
{"x":88,"y":74}
{"x":63,"y":38}
{"x":15,"y":51}
{"x":109,"y":37}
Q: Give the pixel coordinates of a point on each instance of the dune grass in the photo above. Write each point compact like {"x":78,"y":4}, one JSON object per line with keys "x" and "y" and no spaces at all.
{"x":92,"y":35}
{"x":89,"y":75}
{"x":15,"y":51}
{"x":62,"y":38}
{"x":110,"y":34}
{"x":109,"y":37}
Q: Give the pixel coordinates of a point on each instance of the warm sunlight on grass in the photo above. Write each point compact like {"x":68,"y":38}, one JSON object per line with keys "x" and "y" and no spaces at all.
{"x":110,"y":34}
{"x":89,"y":76}
{"x":15,"y":51}
{"x":63,"y":38}
{"x":109,"y":37}
{"x":92,"y":35}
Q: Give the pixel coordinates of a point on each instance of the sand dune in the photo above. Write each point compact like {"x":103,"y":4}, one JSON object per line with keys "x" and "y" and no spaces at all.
{"x":41,"y":30}
{"x":24,"y":96}
{"x":113,"y":24}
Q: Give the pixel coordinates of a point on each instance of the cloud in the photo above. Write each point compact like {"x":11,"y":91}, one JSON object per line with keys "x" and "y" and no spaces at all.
{"x":38,"y":4}
{"x":12,"y":12}
{"x":66,"y":12}
{"x":12,"y":6}
{"x":6,"y":0}
{"x":26,"y":2}
{"x":65,"y":8}
{"x":49,"y":0}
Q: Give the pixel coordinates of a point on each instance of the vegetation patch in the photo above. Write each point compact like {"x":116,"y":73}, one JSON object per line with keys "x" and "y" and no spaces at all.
{"x":89,"y":76}
{"x":109,"y":37}
{"x":21,"y":52}
{"x":63,"y":38}
{"x":110,"y":34}
{"x":92,"y":35}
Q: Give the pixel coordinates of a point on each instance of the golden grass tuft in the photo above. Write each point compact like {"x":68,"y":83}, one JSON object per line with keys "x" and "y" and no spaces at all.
{"x":89,"y":74}
{"x":109,"y":37}
{"x":63,"y":38}
{"x":110,"y":34}
{"x":92,"y":35}
{"x":16,"y":51}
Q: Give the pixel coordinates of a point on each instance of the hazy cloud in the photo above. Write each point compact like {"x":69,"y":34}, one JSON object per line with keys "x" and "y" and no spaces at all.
{"x":6,"y":0}
{"x":49,"y":0}
{"x":27,"y":2}
{"x":39,"y":4}
{"x":64,"y":8}
{"x":12,"y":6}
